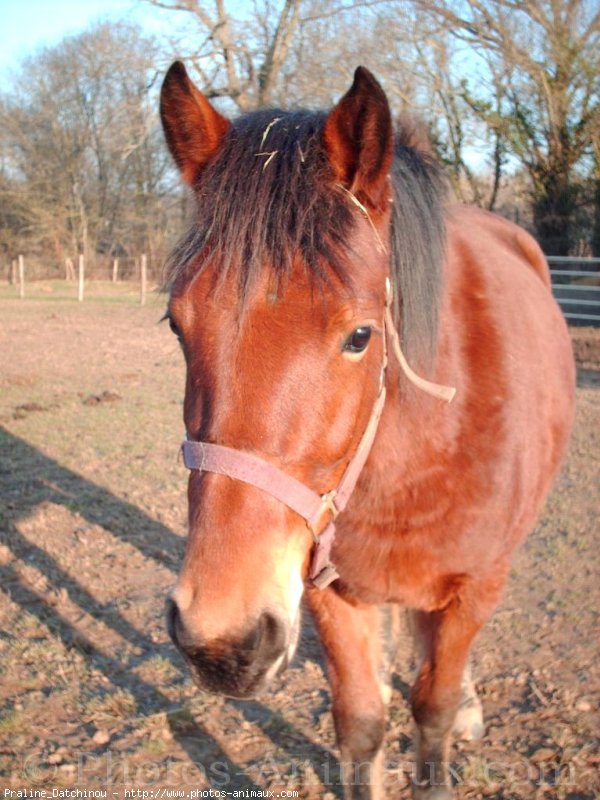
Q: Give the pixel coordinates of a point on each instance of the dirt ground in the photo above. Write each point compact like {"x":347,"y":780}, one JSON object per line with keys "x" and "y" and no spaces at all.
{"x":92,"y":524}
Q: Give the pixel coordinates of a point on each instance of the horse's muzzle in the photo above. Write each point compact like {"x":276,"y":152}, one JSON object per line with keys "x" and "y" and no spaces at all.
{"x":236,"y":667}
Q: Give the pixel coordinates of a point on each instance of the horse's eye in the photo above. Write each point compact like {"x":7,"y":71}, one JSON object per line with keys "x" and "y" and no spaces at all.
{"x":358,"y":340}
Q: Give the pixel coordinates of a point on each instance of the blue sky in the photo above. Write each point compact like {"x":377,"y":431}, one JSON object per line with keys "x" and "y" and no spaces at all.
{"x":26,"y":25}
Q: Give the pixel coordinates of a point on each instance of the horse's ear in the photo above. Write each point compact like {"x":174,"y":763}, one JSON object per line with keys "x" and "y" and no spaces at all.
{"x":193,"y":129}
{"x":359,"y":139}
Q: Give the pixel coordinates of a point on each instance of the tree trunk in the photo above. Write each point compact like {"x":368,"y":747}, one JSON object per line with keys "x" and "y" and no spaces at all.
{"x":553,"y":210}
{"x":277,"y":53}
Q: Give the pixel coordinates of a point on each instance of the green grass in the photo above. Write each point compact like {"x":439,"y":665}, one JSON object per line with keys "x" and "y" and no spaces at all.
{"x":114,"y":706}
{"x":12,"y":722}
{"x":123,"y":292}
{"x":154,"y":747}
{"x":159,"y":669}
{"x":180,"y":720}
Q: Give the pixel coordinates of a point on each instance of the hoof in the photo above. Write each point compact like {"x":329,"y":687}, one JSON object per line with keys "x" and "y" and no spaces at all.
{"x":468,"y":724}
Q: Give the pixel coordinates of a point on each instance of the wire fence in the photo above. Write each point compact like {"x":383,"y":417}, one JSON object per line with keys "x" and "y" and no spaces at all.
{"x":115,"y":278}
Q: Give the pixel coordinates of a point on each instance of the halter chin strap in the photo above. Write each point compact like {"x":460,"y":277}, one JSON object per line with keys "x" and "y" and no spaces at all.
{"x":319,"y":511}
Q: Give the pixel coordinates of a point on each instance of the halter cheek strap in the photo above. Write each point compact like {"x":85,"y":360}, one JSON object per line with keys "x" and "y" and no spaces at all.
{"x":319,"y":511}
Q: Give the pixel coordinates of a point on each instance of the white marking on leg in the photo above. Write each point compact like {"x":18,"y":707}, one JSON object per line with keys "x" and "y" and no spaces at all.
{"x":468,"y":723}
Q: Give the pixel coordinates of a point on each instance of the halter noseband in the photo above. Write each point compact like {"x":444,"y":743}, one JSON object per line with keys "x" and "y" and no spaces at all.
{"x":319,"y":511}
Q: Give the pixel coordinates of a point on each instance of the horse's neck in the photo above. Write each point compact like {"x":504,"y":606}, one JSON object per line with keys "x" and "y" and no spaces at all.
{"x":414,"y":435}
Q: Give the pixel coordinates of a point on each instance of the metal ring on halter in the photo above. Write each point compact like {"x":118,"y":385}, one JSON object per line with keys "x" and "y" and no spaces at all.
{"x":327,"y":504}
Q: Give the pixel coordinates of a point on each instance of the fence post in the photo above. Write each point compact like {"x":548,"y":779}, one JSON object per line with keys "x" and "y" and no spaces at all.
{"x":143,"y":275}
{"x":21,"y":277}
{"x":115,"y":273}
{"x":81,"y":278}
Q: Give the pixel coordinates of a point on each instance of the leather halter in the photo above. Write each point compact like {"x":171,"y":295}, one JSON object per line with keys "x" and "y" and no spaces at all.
{"x":319,"y":511}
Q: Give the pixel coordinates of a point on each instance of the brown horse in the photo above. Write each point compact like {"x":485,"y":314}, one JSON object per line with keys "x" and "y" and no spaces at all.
{"x":316,"y":239}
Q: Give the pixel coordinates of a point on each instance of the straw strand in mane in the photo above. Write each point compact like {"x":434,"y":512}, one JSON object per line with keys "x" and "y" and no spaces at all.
{"x":269,"y":195}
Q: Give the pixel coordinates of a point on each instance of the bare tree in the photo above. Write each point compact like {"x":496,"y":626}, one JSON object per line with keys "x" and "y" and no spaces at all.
{"x":304,"y":52}
{"x":84,"y":157}
{"x":545,"y":56}
{"x":234,"y":60}
{"x":254,"y":60}
{"x":82,"y":163}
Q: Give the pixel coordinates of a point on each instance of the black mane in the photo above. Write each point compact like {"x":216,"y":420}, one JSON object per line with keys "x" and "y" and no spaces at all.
{"x":270,"y":195}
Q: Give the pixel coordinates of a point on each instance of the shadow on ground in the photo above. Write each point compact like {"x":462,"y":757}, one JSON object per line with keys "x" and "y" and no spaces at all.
{"x":29,"y":479}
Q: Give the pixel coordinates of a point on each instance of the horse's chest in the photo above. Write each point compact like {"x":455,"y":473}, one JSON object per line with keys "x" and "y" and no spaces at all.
{"x":417,"y":568}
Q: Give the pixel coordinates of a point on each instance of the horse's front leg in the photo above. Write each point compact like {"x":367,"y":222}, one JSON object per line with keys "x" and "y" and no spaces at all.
{"x":445,"y":638}
{"x":351,"y":635}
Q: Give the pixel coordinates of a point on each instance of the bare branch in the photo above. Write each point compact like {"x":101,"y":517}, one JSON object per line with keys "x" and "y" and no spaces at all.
{"x":334,"y":12}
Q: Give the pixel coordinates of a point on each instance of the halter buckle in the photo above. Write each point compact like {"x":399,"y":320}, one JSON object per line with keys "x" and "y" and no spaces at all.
{"x":327,"y":504}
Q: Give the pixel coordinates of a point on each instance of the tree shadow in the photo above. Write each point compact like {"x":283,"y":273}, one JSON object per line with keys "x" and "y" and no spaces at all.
{"x":298,"y":748}
{"x":29,"y":478}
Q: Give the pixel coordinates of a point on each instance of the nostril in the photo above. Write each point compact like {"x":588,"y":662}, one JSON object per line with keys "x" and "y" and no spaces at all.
{"x":263,"y":632}
{"x":231,"y":664}
{"x":271,"y":635}
{"x":173,"y":620}
{"x":270,"y":626}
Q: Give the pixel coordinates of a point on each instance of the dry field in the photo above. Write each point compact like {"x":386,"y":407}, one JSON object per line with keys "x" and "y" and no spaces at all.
{"x":92,"y":525}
